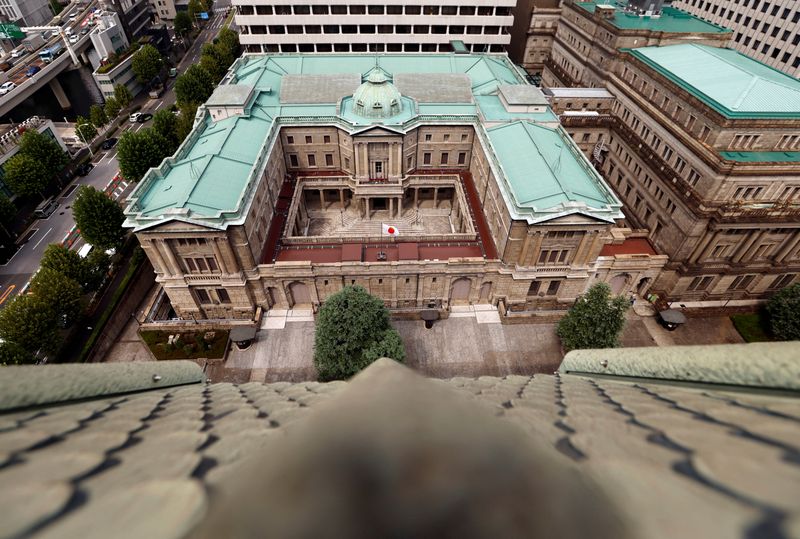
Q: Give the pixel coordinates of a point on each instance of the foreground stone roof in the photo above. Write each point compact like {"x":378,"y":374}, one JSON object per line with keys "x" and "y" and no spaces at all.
{"x":567,"y":455}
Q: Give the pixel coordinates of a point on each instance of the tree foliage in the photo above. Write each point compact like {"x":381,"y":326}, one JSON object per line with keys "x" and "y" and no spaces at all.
{"x":45,"y":149}
{"x":183,"y":23}
{"x":784,"y":313}
{"x":230,"y":40}
{"x":166,"y":124}
{"x":85,"y":129}
{"x":8,"y":211}
{"x":194,"y":86}
{"x":98,"y":217}
{"x":26,"y":175}
{"x":60,"y":292}
{"x":31,"y":323}
{"x":97,"y":115}
{"x":353,"y":330}
{"x":13,"y":354}
{"x":185,"y":121}
{"x":112,"y":107}
{"x":595,"y":320}
{"x":122,"y":95}
{"x":56,"y":7}
{"x":138,"y":151}
{"x":87,"y":272}
{"x":146,"y":63}
{"x":194,"y":8}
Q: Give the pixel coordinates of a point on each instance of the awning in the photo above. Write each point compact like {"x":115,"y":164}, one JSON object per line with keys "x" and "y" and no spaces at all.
{"x":672,"y":316}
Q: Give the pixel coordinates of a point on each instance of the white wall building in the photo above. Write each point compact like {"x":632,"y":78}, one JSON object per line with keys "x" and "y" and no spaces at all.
{"x":381,"y":26}
{"x":26,"y":12}
{"x":766,"y":30}
{"x":109,"y":36}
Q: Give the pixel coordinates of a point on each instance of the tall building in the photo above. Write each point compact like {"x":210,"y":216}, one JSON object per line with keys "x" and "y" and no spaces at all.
{"x":163,"y":9}
{"x":432,"y":181}
{"x":767,"y":30}
{"x":26,"y":12}
{"x":384,"y":26}
{"x":134,"y":15}
{"x":537,"y":40}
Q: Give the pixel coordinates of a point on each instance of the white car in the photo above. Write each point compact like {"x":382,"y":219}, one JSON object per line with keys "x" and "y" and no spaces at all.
{"x":72,"y":18}
{"x":73,"y":38}
{"x":7,"y":87}
{"x":17,"y":53}
{"x":68,"y":31}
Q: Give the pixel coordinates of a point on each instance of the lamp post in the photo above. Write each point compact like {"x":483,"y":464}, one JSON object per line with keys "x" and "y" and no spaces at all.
{"x":78,"y":130}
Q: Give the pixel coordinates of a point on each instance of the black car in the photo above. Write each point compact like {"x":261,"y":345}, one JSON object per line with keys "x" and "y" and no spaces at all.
{"x":84,"y":169}
{"x":109,"y":143}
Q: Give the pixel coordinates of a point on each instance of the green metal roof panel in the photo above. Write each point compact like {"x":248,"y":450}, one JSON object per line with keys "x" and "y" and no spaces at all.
{"x":493,"y":110}
{"x":762,"y":157}
{"x":671,"y":20}
{"x":731,"y":83}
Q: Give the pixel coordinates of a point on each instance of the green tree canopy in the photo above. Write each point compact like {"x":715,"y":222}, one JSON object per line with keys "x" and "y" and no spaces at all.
{"x":45,"y":149}
{"x":194,"y":8}
{"x":194,"y":86}
{"x":56,"y":7}
{"x":185,"y":121}
{"x":183,"y":23}
{"x":8,"y":211}
{"x":97,"y":115}
{"x":112,"y":107}
{"x":140,"y":150}
{"x":216,"y":58}
{"x":784,"y":313}
{"x":122,"y":95}
{"x":87,"y":272}
{"x":146,"y":63}
{"x":13,"y":354}
{"x":230,"y":41}
{"x":31,"y":323}
{"x":60,"y":292}
{"x":85,"y":130}
{"x":594,"y":321}
{"x":96,"y":264}
{"x":98,"y":217}
{"x":26,"y":175}
{"x":166,"y":124}
{"x":353,"y":330}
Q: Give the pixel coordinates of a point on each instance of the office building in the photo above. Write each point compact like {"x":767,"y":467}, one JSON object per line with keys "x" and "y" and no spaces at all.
{"x":766,"y":30}
{"x":26,"y":12}
{"x":340,"y":26}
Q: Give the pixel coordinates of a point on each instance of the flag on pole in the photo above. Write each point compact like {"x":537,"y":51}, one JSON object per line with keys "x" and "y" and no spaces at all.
{"x":389,"y":230}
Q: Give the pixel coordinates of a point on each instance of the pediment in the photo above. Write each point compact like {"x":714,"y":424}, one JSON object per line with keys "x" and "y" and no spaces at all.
{"x":376,"y":131}
{"x":178,"y":225}
{"x":576,"y":218}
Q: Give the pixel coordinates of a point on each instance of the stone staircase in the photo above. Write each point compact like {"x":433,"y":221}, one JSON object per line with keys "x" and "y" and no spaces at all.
{"x":351,"y":224}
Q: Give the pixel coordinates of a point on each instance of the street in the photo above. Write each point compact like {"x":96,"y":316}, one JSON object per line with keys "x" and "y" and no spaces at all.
{"x":20,"y":268}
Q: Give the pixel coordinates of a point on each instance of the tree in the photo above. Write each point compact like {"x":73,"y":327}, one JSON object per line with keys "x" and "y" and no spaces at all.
{"x":230,"y":40}
{"x":25,"y":175}
{"x":138,"y":151}
{"x":123,"y":95}
{"x":594,"y":321}
{"x":353,"y":330}
{"x":194,"y":8}
{"x":185,"y":121}
{"x":44,"y":149}
{"x":85,"y":130}
{"x":194,"y":86}
{"x":216,"y":58}
{"x":183,"y":23}
{"x":8,"y":212}
{"x":96,"y":265}
{"x":784,"y":313}
{"x":60,"y":292}
{"x":98,"y":217}
{"x":13,"y":354}
{"x":30,"y":322}
{"x":56,"y":7}
{"x":87,"y":272}
{"x":146,"y":64}
{"x":207,"y":5}
{"x":112,"y":107}
{"x":165,"y":124}
{"x":97,"y":115}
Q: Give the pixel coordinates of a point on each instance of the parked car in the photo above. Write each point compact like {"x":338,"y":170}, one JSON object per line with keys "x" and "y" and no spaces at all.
{"x":85,"y":31}
{"x":173,"y":72}
{"x":73,"y":38}
{"x":84,"y":169}
{"x":139,"y":117}
{"x":109,"y":143}
{"x":7,"y":87}
{"x":17,"y":53}
{"x":32,"y":70}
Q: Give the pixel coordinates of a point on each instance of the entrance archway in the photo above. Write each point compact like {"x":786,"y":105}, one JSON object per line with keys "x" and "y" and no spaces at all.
{"x":486,"y":291}
{"x":643,"y":285}
{"x":299,"y":294}
{"x":618,"y":283}
{"x":459,"y":291}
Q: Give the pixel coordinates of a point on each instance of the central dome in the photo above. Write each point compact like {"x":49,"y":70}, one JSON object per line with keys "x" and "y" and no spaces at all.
{"x":377,"y":97}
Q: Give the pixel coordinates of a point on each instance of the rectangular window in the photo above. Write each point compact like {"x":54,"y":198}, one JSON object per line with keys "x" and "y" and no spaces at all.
{"x":428,"y":137}
{"x":446,"y":137}
{"x":312,"y":160}
{"x":552,"y":289}
{"x":223,"y":296}
{"x":289,"y":139}
{"x":293,"y":160}
{"x":212,"y":263}
{"x":782,"y":281}
{"x":326,"y":139}
{"x":445,"y":158}
{"x":533,"y":289}
{"x":700,"y":283}
{"x":741,"y":282}
{"x":328,"y":159}
{"x":426,"y":158}
{"x":309,"y":139}
{"x":462,"y":158}
{"x":202,"y":296}
{"x":191,"y":267}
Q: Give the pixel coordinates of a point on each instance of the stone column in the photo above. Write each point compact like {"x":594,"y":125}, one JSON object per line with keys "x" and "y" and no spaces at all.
{"x":391,"y":207}
{"x":582,"y":246}
{"x":787,"y":247}
{"x":228,"y":254}
{"x":400,"y":206}
{"x":369,"y":210}
{"x":160,"y":265}
{"x":175,"y":268}
{"x":523,"y":253}
{"x":341,"y":197}
{"x":745,"y":249}
{"x":704,"y":244}
{"x":416,"y":196}
{"x":537,"y":246}
{"x":321,"y":199}
{"x":223,"y":267}
{"x":435,"y":197}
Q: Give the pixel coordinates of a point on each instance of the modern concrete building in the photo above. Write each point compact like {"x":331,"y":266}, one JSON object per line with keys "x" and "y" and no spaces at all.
{"x":340,"y":26}
{"x":26,"y":12}
{"x":108,"y":36}
{"x":433,"y":181}
{"x":767,"y":30}
{"x":109,"y":39}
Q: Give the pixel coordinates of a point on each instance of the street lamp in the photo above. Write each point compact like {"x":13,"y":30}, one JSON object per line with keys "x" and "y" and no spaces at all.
{"x":78,"y":130}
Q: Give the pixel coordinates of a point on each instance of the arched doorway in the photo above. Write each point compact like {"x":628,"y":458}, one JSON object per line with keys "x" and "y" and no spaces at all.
{"x":619,"y":282}
{"x":299,"y":294}
{"x":486,"y":291}
{"x":459,"y":291}
{"x":272,"y":295}
{"x":643,"y":285}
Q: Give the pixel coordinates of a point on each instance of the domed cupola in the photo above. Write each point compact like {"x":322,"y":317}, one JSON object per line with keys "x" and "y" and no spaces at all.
{"x":377,"y":97}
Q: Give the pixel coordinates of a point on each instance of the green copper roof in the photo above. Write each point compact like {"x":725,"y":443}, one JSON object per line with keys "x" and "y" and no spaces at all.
{"x":671,"y":20}
{"x":211,"y":178}
{"x":729,"y":82}
{"x":545,"y":171}
{"x":762,"y":157}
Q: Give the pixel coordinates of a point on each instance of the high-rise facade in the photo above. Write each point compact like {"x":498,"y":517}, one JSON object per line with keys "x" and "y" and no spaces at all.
{"x":381,"y":26}
{"x":26,"y":12}
{"x":766,"y":30}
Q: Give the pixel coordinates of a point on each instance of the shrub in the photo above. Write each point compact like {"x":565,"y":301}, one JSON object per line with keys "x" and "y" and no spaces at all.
{"x":784,"y":313}
{"x":594,"y":321}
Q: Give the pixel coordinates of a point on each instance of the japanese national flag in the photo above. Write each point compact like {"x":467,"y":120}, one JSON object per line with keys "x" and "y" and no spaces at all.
{"x":389,"y":230}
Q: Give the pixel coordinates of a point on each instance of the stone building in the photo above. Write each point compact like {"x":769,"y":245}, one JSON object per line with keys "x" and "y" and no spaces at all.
{"x":429,"y":182}
{"x":536,"y":41}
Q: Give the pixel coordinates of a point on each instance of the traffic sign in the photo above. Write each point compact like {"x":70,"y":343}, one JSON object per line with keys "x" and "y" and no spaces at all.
{"x":204,"y":15}
{"x":11,"y":31}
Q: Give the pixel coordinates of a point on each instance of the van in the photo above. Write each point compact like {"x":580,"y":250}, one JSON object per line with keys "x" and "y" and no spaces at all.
{"x":45,"y":209}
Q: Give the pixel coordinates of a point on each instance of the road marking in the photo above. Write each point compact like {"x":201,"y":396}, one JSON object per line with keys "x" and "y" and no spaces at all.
{"x":6,"y":293}
{"x":159,"y":104}
{"x":111,"y":156}
{"x":43,"y":237}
